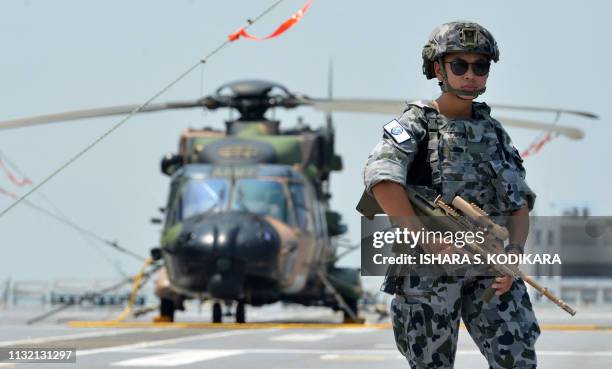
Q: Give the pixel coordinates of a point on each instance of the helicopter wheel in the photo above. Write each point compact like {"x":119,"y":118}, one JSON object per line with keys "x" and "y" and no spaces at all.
{"x":166,"y":311}
{"x":352,"y":304}
{"x":217,"y":313}
{"x":240,"y":312}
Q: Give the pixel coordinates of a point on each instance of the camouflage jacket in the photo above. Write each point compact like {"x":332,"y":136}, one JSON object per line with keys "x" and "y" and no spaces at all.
{"x":473,"y":158}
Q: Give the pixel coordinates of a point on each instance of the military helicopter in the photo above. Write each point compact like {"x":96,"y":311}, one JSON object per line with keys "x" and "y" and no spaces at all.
{"x":247,"y":218}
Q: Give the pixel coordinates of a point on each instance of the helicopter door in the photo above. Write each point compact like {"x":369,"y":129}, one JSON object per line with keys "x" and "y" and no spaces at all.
{"x":300,"y":257}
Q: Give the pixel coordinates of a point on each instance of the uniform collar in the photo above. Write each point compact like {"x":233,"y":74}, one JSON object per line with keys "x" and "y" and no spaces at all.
{"x":480,"y":109}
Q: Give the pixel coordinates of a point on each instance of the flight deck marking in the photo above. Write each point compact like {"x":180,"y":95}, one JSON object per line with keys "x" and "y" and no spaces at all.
{"x":351,"y":330}
{"x":352,"y":357}
{"x":241,"y":326}
{"x":171,"y":341}
{"x":181,"y":357}
{"x":385,"y":345}
{"x":334,"y":326}
{"x":306,"y":337}
{"x":324,"y":351}
{"x":71,"y":337}
{"x":168,"y":355}
{"x":307,"y":368}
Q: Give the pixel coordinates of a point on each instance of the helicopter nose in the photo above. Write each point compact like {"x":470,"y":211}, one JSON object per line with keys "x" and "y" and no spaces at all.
{"x":219,"y":252}
{"x":238,"y":234}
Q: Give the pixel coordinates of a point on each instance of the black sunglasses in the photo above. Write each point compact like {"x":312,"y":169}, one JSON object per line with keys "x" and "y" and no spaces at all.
{"x":460,"y":67}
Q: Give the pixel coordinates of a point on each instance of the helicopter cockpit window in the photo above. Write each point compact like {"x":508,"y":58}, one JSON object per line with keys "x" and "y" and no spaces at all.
{"x":302,"y":212}
{"x":202,"y":195}
{"x":260,"y":197}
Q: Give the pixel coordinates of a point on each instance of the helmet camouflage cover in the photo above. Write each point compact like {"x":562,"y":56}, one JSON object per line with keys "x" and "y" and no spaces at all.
{"x":458,"y":36}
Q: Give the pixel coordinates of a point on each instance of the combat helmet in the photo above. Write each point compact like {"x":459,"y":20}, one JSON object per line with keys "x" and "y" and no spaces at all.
{"x":460,"y":36}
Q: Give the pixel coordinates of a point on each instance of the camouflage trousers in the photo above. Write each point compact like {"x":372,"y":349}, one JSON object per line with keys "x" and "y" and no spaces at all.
{"x":426,"y":322}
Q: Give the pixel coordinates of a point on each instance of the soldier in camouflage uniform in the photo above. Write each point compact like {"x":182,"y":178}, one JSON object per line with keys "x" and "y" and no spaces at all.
{"x":454,"y":146}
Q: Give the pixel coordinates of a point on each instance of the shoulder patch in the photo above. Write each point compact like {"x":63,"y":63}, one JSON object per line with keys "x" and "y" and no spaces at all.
{"x":396,"y":131}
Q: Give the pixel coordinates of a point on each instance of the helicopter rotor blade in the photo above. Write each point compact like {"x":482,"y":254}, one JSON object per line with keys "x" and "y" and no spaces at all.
{"x":99,"y":112}
{"x":569,"y":132}
{"x":584,"y":114}
{"x":395,"y":107}
{"x":392,"y":107}
{"x":373,"y":106}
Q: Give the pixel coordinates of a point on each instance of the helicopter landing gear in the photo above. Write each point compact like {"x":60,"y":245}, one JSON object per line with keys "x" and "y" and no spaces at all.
{"x":240,"y":312}
{"x":166,"y":311}
{"x":217,"y":313}
{"x":352,"y":316}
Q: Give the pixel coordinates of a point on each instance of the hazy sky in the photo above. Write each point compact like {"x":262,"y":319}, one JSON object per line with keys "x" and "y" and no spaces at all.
{"x":62,"y":55}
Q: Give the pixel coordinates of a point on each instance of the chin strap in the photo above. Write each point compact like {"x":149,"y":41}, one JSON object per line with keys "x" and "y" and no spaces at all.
{"x":446,"y":87}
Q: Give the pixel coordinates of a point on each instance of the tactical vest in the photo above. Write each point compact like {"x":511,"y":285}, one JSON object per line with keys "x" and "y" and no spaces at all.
{"x":470,"y":158}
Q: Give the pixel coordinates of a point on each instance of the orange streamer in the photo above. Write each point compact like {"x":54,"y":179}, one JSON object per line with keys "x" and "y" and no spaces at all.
{"x":280,"y":30}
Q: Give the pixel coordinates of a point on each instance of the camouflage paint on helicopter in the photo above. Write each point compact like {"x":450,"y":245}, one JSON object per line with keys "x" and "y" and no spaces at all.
{"x":260,"y":142}
{"x":248,"y":220}
{"x":254,"y":233}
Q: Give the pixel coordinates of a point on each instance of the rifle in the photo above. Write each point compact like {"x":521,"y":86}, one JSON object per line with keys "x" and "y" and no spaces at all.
{"x":461,"y":216}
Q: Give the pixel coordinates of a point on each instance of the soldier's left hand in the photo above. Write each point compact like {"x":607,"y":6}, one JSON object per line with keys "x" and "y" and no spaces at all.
{"x":502,"y":284}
